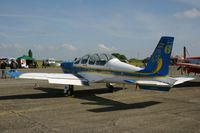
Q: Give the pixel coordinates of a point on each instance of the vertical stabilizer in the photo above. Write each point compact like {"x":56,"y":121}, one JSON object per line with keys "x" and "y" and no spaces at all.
{"x":158,"y":64}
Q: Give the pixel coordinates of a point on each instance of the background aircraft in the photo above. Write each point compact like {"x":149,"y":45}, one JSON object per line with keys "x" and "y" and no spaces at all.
{"x":189,"y":64}
{"x":104,"y":68}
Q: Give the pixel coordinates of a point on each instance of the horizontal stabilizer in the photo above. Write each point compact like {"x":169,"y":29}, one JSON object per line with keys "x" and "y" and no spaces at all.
{"x":162,"y":84}
{"x":156,"y":88}
{"x":153,"y":85}
{"x":180,"y":80}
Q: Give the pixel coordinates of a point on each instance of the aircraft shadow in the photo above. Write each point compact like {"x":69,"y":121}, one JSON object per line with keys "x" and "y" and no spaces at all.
{"x":124,"y":106}
{"x":55,"y":93}
{"x":50,"y":93}
{"x":189,"y":84}
{"x":110,"y":105}
{"x":90,"y":95}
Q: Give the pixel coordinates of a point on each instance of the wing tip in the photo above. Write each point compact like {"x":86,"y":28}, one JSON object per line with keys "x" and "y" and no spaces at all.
{"x":13,"y":73}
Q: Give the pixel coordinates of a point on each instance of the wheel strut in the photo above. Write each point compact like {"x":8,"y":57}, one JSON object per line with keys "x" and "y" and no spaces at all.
{"x":69,"y":90}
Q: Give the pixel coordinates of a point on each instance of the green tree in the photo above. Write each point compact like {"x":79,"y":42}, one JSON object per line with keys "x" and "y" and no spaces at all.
{"x":30,"y":54}
{"x":121,"y":57}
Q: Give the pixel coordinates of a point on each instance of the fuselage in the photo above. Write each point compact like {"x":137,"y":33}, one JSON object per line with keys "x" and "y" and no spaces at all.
{"x":192,"y":60}
{"x":113,"y":71}
{"x":104,"y":68}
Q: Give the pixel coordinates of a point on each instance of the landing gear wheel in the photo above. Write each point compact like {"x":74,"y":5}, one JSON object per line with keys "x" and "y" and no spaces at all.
{"x":69,"y":90}
{"x":110,"y":87}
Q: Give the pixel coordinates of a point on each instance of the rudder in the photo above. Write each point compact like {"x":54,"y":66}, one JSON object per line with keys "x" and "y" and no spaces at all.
{"x":158,"y":64}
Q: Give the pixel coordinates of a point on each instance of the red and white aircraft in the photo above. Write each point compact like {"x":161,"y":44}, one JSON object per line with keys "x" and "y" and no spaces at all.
{"x":190,"y":64}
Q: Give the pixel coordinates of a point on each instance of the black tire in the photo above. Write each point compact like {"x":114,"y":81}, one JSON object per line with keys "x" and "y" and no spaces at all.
{"x":110,"y":87}
{"x":70,"y":91}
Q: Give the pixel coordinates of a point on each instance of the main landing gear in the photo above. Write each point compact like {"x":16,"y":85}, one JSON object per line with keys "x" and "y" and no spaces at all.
{"x":69,"y":90}
{"x":110,"y":87}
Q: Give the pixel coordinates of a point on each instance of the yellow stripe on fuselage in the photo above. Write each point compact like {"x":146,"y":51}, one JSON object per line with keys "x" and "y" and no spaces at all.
{"x":159,"y":65}
{"x":111,"y":74}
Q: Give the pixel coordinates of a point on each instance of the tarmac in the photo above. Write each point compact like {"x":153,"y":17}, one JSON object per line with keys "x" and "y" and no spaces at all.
{"x":30,"y":106}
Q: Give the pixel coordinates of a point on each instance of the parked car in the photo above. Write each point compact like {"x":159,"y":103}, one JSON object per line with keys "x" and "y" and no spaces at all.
{"x":49,"y":62}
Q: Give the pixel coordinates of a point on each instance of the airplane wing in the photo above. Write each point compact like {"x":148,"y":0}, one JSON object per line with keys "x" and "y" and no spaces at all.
{"x":189,"y":65}
{"x":53,"y":78}
{"x":160,"y":84}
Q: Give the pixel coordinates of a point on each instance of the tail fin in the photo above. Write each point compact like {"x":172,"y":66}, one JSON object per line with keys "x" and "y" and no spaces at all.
{"x":159,"y":61}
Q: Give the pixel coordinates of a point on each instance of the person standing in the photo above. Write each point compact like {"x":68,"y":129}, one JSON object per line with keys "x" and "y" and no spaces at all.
{"x":43,"y":64}
{"x":0,"y":65}
{"x":13,"y":65}
{"x":3,"y":67}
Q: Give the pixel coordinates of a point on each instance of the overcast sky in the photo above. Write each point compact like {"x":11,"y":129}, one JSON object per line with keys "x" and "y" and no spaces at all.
{"x":65,"y":29}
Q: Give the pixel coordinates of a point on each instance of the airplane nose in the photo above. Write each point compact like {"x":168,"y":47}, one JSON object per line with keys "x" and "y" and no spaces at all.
{"x":67,"y":67}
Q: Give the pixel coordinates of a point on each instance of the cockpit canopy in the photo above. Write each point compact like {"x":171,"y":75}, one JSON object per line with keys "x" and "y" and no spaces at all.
{"x":94,"y":59}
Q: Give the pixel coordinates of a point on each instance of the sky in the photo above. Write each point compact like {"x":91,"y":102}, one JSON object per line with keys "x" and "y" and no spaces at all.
{"x":65,"y":29}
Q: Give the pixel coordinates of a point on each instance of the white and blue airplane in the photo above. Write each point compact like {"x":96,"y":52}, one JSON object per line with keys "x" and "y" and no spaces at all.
{"x":104,"y":68}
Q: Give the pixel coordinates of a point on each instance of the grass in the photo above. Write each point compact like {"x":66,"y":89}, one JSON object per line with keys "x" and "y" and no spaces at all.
{"x":136,"y":63}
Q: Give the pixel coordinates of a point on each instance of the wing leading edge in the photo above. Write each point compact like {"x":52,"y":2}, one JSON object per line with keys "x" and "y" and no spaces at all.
{"x":53,"y":78}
